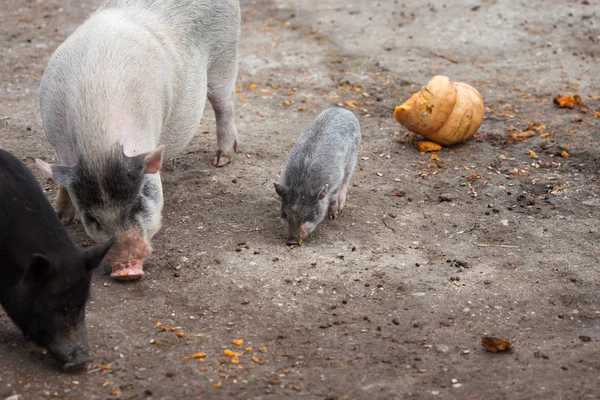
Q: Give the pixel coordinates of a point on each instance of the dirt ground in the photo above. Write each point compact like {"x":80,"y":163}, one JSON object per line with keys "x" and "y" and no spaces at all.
{"x":391,"y":300}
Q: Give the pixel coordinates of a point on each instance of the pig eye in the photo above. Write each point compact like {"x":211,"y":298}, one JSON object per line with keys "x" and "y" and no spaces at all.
{"x":92,"y":221}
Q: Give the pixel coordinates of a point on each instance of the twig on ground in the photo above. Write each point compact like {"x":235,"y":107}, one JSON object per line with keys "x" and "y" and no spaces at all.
{"x":507,"y":246}
{"x":383,"y":220}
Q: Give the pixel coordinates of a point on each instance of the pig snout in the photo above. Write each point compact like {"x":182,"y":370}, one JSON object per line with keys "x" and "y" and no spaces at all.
{"x":292,"y":240}
{"x":71,"y":350}
{"x":128,"y":254}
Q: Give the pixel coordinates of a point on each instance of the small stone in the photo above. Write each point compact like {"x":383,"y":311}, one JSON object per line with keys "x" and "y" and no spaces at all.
{"x":442,"y":348}
{"x":487,"y":282}
{"x":395,"y":321}
{"x":585,"y":338}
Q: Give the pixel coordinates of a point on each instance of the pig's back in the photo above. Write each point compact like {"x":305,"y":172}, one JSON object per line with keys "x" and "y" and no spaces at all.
{"x":207,"y":23}
{"x":322,"y":152}
{"x":27,"y":220}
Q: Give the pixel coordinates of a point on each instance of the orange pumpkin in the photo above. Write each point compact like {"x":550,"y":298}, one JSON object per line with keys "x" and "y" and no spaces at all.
{"x":443,"y":111}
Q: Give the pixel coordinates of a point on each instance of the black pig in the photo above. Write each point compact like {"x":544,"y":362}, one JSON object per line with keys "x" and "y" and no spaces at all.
{"x":44,"y":277}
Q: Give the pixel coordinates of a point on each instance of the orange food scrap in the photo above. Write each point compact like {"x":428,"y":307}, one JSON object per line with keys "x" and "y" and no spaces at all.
{"x":158,"y":324}
{"x":115,"y":392}
{"x":296,"y":388}
{"x":520,"y":136}
{"x":597,"y":114}
{"x":495,"y":345}
{"x":234,"y":360}
{"x":532,"y":153}
{"x":248,"y":348}
{"x":198,"y":355}
{"x":262,"y":349}
{"x":242,"y":100}
{"x":425,"y":146}
{"x":104,"y":368}
{"x":571,"y":101}
{"x":267,"y":91}
{"x":238,"y":342}
{"x":544,"y":135}
{"x":534,"y":126}
{"x":351,"y":103}
{"x":223,"y":375}
{"x":180,"y":334}
{"x":473,"y":176}
{"x":564,"y":154}
{"x":572,"y":131}
{"x":230,"y":353}
{"x":434,"y":157}
{"x":238,"y":90}
{"x":257,"y":360}
{"x":252,"y":86}
{"x":219,"y":384}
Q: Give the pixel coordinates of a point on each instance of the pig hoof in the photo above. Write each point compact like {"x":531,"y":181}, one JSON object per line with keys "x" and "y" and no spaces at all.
{"x":127,"y":274}
{"x":220,"y":160}
{"x":333,"y":215}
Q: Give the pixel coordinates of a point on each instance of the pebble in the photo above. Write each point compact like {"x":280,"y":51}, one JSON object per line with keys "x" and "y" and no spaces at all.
{"x":442,"y":348}
{"x":487,"y":282}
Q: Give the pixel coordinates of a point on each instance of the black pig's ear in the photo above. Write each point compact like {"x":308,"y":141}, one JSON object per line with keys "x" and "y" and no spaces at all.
{"x":280,"y":189}
{"x":40,"y":269}
{"x":93,"y":256}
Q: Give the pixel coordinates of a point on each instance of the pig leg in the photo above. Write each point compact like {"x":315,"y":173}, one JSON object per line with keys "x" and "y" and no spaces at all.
{"x":221,"y":86}
{"x":333,"y":208}
{"x":342,"y":194}
{"x":344,"y":187}
{"x":64,"y":206}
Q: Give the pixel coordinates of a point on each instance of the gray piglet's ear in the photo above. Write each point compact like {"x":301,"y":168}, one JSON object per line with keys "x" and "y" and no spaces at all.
{"x":93,"y":256}
{"x":153,"y":160}
{"x":61,"y":174}
{"x":323,"y":192}
{"x":280,"y":189}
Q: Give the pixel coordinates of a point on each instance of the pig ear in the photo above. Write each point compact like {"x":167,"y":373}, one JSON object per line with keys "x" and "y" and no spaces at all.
{"x":93,"y":256}
{"x":61,"y":174}
{"x":323,"y":192}
{"x":280,"y":189}
{"x":152,"y":160}
{"x":45,"y":167}
{"x":39,"y":270}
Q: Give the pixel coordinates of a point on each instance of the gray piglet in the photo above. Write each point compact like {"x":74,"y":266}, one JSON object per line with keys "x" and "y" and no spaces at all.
{"x":318,"y":172}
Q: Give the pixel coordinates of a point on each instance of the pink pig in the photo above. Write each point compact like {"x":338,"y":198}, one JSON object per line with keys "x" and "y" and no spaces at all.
{"x":124,"y":91}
